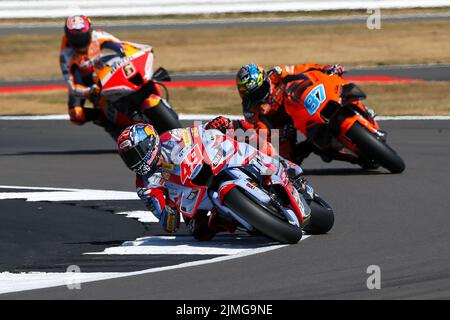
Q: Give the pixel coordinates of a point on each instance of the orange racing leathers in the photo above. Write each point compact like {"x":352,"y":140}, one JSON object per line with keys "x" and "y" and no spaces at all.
{"x":77,"y":69}
{"x":271,"y":114}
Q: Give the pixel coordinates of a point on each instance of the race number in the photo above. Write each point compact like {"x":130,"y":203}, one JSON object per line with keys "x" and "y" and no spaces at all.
{"x":191,"y":162}
{"x":314,"y":99}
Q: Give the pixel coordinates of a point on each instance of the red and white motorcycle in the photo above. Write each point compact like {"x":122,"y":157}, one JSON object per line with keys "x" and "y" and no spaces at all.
{"x":126,"y":80}
{"x":212,"y":171}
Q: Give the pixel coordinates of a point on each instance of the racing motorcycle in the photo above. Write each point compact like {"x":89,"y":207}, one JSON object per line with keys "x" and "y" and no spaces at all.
{"x":329,"y":112}
{"x":126,"y":79}
{"x":213,"y":171}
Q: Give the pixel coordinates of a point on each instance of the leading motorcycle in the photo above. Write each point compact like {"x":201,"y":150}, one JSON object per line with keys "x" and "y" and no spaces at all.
{"x":214,"y":172}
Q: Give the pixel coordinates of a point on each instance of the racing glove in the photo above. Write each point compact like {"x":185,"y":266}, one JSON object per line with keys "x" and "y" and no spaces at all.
{"x":334,"y":69}
{"x":94,"y":90}
{"x":170,"y":219}
{"x":220,"y":123}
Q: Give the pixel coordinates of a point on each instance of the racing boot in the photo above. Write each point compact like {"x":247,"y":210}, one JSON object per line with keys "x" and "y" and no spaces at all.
{"x":199,"y":227}
{"x":221,"y":224}
{"x":294,"y":173}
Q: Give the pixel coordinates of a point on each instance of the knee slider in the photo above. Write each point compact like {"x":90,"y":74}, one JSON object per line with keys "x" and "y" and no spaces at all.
{"x":77,"y":115}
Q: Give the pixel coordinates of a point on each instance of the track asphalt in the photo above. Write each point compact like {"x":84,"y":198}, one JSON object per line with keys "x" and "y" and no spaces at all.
{"x":397,"y":222}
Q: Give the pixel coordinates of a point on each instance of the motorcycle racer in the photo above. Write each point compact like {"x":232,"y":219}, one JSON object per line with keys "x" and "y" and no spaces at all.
{"x":264,"y":96}
{"x":80,"y":46}
{"x":157,"y":162}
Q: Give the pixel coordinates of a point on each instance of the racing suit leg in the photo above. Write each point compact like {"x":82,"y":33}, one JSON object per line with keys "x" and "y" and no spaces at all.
{"x":295,"y":172}
{"x":302,"y":150}
{"x":76,"y":104}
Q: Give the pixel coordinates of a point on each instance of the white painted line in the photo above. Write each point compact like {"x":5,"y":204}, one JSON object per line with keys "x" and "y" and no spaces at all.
{"x":59,"y":8}
{"x":76,"y":195}
{"x":38,"y":117}
{"x":15,"y":282}
{"x":176,"y":245}
{"x":141,"y":216}
{"x":230,"y":248}
{"x":36,"y":188}
{"x":205,"y":117}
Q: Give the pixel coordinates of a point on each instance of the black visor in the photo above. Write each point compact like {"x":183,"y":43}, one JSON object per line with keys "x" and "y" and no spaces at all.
{"x":261,"y":93}
{"x":134,"y":156}
{"x":79,"y":41}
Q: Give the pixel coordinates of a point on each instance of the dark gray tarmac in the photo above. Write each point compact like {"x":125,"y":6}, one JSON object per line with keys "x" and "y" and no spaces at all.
{"x":165,"y":24}
{"x":398,"y":222}
{"x":430,"y":72}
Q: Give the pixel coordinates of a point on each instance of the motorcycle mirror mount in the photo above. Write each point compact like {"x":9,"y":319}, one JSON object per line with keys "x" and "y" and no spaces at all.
{"x":161,"y":75}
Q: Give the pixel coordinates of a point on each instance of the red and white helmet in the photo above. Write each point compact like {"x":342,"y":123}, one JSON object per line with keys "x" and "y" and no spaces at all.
{"x":78,"y":31}
{"x":140,"y":148}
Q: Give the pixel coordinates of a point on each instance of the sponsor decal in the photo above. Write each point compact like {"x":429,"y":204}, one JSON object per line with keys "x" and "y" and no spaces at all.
{"x":194,"y":131}
{"x":170,"y":222}
{"x":251,"y":185}
{"x":217,"y":158}
{"x":166,"y":175}
{"x":168,"y":166}
{"x":278,"y":70}
{"x":125,"y":144}
{"x":192,"y":195}
{"x":128,"y":70}
{"x":186,"y":138}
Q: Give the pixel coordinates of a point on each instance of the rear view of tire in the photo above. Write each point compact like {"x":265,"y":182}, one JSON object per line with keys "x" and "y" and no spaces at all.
{"x":375,"y":149}
{"x":261,"y":218}
{"x":163,"y":118}
{"x":322,"y":217}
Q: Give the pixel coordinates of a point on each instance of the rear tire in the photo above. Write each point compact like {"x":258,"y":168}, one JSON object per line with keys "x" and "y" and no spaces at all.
{"x":163,"y":118}
{"x":375,"y":149}
{"x":261,"y":218}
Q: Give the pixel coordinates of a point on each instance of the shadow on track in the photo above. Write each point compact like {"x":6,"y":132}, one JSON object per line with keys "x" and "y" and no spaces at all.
{"x":342,"y":172}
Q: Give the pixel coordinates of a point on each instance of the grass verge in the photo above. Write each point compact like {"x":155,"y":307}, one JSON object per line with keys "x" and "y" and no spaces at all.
{"x":419,"y":98}
{"x":36,"y":56}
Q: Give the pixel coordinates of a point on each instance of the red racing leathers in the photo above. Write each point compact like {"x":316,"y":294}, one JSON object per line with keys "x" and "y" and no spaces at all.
{"x":77,"y":69}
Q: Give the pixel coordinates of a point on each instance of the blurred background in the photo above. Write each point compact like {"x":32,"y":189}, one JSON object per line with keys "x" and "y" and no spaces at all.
{"x":398,"y":51}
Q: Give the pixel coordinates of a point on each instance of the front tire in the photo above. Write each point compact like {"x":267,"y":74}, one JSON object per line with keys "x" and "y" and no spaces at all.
{"x":261,"y":218}
{"x":322,"y":217}
{"x":375,"y":149}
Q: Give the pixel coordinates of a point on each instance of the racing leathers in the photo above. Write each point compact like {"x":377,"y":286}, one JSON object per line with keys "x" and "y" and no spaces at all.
{"x":77,"y":69}
{"x":168,"y":191}
{"x":271,"y":113}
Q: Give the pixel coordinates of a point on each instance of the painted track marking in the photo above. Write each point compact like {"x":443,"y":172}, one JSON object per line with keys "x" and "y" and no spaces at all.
{"x":228,"y":247}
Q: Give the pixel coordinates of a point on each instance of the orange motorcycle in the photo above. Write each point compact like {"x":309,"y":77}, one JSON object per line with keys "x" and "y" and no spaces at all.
{"x":328,"y":111}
